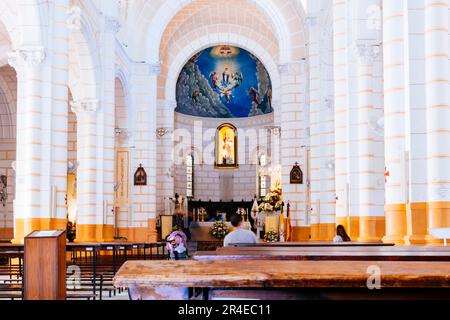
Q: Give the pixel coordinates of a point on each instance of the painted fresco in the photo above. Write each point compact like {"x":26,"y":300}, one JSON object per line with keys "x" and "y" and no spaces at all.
{"x":224,"y":82}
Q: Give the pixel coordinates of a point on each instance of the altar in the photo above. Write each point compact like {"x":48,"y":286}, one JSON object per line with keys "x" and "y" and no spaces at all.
{"x":200,"y":231}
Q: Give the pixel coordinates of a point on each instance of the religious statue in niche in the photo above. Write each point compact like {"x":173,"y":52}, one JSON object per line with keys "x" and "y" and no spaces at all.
{"x":140,"y":177}
{"x":296,"y":174}
{"x":226,"y":146}
{"x":3,"y":189}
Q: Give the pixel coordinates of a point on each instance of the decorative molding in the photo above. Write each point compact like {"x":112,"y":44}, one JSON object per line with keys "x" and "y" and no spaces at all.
{"x":310,"y":21}
{"x":329,"y":102}
{"x":30,"y":56}
{"x":85,"y":106}
{"x":155,"y":68}
{"x":122,"y":134}
{"x":367,"y":50}
{"x":74,"y":18}
{"x":112,"y":25}
{"x":275,"y":130}
{"x":161,"y":132}
{"x":283,"y":68}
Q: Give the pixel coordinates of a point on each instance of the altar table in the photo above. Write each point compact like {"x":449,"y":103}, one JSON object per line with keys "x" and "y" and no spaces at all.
{"x":200,"y":230}
{"x":149,"y":280}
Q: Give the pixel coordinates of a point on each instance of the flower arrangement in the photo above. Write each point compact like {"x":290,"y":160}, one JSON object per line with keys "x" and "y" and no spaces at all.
{"x":71,"y":231}
{"x":272,"y":201}
{"x":219,"y":230}
{"x":271,"y":236}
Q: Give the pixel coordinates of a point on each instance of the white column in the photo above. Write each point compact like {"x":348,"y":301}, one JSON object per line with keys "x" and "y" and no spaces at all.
{"x":107,"y":123}
{"x":438,"y":111}
{"x":369,"y":146}
{"x":58,"y":107}
{"x":293,"y":143}
{"x":416,"y":130}
{"x":88,"y":186}
{"x":395,"y":47}
{"x":165,"y":161}
{"x":143,"y":198}
{"x":341,"y":115}
{"x":31,"y":186}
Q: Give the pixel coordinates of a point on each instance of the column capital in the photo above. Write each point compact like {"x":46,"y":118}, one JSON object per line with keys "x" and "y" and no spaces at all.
{"x":85,"y":106}
{"x":74,"y":18}
{"x":310,"y":21}
{"x":367,"y":50}
{"x":283,"y":68}
{"x":155,"y":68}
{"x":112,"y":25}
{"x":146,"y":68}
{"x":30,"y":56}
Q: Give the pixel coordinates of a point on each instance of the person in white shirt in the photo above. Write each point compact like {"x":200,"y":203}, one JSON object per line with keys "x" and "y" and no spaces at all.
{"x":238,"y":235}
{"x":341,"y":235}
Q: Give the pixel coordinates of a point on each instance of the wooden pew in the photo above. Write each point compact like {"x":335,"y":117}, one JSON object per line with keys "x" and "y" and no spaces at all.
{"x":313,"y":244}
{"x":295,"y":279}
{"x":329,"y":253}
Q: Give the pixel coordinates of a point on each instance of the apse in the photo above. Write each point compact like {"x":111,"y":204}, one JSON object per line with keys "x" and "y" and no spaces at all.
{"x":224,"y":82}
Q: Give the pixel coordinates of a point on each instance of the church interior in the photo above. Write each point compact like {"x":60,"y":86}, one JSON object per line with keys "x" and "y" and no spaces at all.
{"x":138,"y":136}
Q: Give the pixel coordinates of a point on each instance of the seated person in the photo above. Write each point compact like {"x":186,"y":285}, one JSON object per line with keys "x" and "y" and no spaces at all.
{"x":341,"y":235}
{"x":238,"y":235}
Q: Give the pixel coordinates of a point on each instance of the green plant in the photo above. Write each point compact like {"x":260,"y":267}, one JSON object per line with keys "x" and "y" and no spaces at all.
{"x":71,"y":231}
{"x":271,"y":236}
{"x":219,"y":230}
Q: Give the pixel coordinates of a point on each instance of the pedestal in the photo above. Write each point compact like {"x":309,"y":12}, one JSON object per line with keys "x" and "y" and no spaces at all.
{"x":45,"y":265}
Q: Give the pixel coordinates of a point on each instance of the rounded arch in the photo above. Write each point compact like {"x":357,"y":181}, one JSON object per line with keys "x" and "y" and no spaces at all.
{"x":83,"y":62}
{"x":122,"y":117}
{"x":7,"y":111}
{"x":286,"y":19}
{"x":218,"y":39}
{"x":24,"y":20}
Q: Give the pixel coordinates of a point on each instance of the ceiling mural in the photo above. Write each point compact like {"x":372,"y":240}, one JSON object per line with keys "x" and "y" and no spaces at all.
{"x":224,"y":82}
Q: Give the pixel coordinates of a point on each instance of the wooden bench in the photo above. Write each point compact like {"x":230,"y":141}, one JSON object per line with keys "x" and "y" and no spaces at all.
{"x":299,"y":279}
{"x":313,"y":244}
{"x":330,"y":253}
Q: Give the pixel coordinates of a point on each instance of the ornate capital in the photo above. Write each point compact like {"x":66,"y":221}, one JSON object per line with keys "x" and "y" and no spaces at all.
{"x":310,"y":21}
{"x":367,"y":50}
{"x":30,"y":56}
{"x":283,"y":68}
{"x":161,"y":132}
{"x":275,"y":130}
{"x":155,"y":68}
{"x":84,"y":106}
{"x":74,"y":18}
{"x":112,"y":25}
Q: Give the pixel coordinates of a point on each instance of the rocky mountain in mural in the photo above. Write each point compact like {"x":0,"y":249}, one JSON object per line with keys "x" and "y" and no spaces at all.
{"x":195,"y":96}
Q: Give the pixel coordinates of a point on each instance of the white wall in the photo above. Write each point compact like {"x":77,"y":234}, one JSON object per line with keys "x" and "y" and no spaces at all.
{"x":207,"y":179}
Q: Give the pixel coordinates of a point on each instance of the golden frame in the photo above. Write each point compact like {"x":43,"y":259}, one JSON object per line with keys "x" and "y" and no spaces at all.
{"x":236,"y":163}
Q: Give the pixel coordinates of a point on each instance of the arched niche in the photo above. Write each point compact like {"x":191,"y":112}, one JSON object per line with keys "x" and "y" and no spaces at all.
{"x":226,"y":147}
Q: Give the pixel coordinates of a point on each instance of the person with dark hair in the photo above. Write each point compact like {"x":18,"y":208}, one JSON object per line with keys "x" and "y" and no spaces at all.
{"x":238,"y":235}
{"x":341,"y":235}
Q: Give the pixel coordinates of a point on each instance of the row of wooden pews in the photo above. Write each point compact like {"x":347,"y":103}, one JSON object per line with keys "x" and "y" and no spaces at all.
{"x":90,"y":267}
{"x":296,"y":271}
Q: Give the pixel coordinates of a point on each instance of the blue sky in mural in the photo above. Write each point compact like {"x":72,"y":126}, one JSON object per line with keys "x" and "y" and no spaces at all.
{"x":224,"y":82}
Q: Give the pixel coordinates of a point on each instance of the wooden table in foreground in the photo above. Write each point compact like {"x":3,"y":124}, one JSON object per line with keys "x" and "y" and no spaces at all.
{"x":283,"y":279}
{"x":313,"y":244}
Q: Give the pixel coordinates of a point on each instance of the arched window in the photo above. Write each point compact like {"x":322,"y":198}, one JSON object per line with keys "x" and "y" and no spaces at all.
{"x":190,"y":176}
{"x":262,"y":176}
{"x":226,"y":146}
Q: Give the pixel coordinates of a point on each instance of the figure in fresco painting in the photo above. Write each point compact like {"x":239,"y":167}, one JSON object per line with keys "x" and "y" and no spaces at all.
{"x":213,"y":77}
{"x":195,"y":96}
{"x":254,"y":94}
{"x":225,"y":77}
